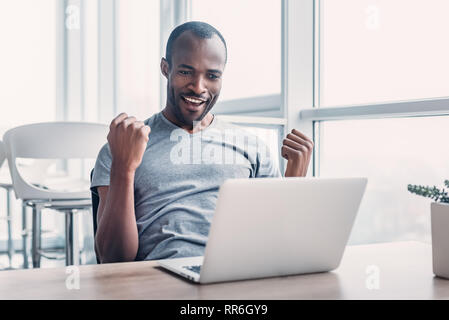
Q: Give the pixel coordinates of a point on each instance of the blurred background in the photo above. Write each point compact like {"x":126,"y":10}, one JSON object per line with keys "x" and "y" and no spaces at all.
{"x":368,"y":80}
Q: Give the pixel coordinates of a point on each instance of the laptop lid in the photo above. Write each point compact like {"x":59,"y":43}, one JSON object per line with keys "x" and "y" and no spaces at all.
{"x":280,"y":226}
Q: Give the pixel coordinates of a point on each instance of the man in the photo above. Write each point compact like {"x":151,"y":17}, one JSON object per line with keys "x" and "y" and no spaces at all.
{"x":157,"y":197}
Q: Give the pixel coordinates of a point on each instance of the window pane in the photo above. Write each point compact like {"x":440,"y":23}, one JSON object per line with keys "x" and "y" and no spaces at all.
{"x":28,"y":87}
{"x":90,"y":60}
{"x":138,"y":57}
{"x":27,"y":62}
{"x":383,"y":50}
{"x":392,"y":153}
{"x":254,"y":44}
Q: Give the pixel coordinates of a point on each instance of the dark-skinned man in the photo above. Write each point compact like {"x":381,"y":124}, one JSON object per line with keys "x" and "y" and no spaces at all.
{"x":157,"y":180}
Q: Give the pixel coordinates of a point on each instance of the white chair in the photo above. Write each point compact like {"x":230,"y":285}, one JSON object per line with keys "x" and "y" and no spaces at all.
{"x":33,"y":174}
{"x":53,"y":140}
{"x":6,"y":184}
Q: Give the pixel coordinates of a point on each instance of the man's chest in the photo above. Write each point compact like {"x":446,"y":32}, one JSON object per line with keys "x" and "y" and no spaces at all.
{"x":160,"y":171}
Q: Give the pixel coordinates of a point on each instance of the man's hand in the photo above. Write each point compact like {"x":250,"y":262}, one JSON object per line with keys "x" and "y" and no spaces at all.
{"x":297,"y":149}
{"x":128,"y":140}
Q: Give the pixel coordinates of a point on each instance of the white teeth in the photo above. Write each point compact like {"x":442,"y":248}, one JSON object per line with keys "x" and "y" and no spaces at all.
{"x":193,"y":100}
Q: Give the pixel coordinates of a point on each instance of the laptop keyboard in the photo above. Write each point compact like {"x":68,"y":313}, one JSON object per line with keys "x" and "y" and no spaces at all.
{"x":195,"y":269}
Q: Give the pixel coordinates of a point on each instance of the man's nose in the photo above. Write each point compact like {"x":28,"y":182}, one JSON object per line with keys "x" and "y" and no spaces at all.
{"x":198,"y":85}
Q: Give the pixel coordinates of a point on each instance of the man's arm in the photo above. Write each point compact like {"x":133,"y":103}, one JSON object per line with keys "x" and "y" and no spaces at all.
{"x":117,"y":237}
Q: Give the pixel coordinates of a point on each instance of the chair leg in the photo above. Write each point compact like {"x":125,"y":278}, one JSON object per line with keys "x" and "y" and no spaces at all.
{"x":71,"y":239}
{"x":9,"y":219}
{"x":36,"y":236}
{"x":24,"y":236}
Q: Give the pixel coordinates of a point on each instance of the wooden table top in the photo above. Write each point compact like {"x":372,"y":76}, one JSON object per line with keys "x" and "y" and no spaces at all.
{"x":397,"y":270}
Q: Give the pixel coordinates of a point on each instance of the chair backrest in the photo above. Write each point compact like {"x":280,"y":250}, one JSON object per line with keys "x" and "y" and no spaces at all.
{"x":95,"y":202}
{"x":2,"y":153}
{"x":52,"y":140}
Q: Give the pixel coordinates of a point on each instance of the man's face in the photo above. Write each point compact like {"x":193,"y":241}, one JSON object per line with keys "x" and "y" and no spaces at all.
{"x":195,"y":76}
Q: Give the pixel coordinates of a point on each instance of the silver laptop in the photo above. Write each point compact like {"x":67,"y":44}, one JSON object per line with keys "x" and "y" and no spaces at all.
{"x":271,"y":227}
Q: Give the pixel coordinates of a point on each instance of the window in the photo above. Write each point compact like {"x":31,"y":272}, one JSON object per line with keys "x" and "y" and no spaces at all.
{"x":27,"y":62}
{"x":138,"y":57}
{"x":383,"y":50}
{"x":377,"y":70}
{"x":374,"y":58}
{"x":392,"y":153}
{"x":28,"y":82}
{"x":253,"y":41}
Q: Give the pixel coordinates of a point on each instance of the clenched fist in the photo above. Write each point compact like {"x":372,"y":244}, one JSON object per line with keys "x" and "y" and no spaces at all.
{"x":128,"y":140}
{"x":297,"y":150}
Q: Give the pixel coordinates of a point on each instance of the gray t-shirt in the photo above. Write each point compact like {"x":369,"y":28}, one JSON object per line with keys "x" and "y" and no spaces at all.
{"x":176,"y":185}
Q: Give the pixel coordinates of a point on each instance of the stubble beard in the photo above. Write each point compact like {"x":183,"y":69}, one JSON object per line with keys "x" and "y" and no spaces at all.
{"x":176,"y":109}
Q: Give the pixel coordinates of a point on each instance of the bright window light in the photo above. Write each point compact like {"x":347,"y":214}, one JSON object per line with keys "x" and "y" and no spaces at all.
{"x":383,"y":50}
{"x":27,"y":62}
{"x":252,"y":30}
{"x":391,"y":153}
{"x":138,"y":58}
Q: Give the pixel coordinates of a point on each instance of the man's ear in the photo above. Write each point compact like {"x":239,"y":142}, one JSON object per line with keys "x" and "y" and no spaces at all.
{"x":165,"y":67}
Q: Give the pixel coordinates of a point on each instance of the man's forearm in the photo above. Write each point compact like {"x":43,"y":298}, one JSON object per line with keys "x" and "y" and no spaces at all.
{"x":117,"y":237}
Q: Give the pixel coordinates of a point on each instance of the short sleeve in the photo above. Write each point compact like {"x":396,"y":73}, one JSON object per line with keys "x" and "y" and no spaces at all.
{"x":266,"y":165}
{"x":102,"y":169}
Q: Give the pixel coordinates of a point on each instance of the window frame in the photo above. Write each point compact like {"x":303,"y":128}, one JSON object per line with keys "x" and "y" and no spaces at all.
{"x":395,"y":109}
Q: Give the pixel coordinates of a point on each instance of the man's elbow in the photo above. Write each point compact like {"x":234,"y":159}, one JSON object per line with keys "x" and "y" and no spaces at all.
{"x":116,"y":258}
{"x":109,"y":254}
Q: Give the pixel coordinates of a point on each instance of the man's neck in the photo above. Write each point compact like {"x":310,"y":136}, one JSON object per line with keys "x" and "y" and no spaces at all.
{"x":199,"y":126}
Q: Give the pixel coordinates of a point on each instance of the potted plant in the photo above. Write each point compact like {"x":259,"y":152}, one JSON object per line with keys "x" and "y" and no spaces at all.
{"x":439,"y":216}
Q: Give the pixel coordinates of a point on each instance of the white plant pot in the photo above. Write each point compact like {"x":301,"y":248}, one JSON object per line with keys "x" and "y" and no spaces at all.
{"x":440,"y":238}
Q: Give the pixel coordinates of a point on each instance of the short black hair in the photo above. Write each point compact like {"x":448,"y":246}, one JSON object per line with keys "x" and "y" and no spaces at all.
{"x":202,"y":30}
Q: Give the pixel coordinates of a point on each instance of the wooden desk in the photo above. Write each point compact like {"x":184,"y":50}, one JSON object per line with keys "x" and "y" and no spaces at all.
{"x":404,"y":271}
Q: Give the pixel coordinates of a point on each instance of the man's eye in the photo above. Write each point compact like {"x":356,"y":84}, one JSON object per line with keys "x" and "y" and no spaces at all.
{"x":183,"y":72}
{"x":213,"y":76}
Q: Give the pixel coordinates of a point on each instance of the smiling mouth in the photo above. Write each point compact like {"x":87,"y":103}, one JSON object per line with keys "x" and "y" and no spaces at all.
{"x":193,"y":102}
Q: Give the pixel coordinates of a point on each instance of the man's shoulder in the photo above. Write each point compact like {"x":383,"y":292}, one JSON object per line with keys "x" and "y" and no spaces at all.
{"x":152,"y":120}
